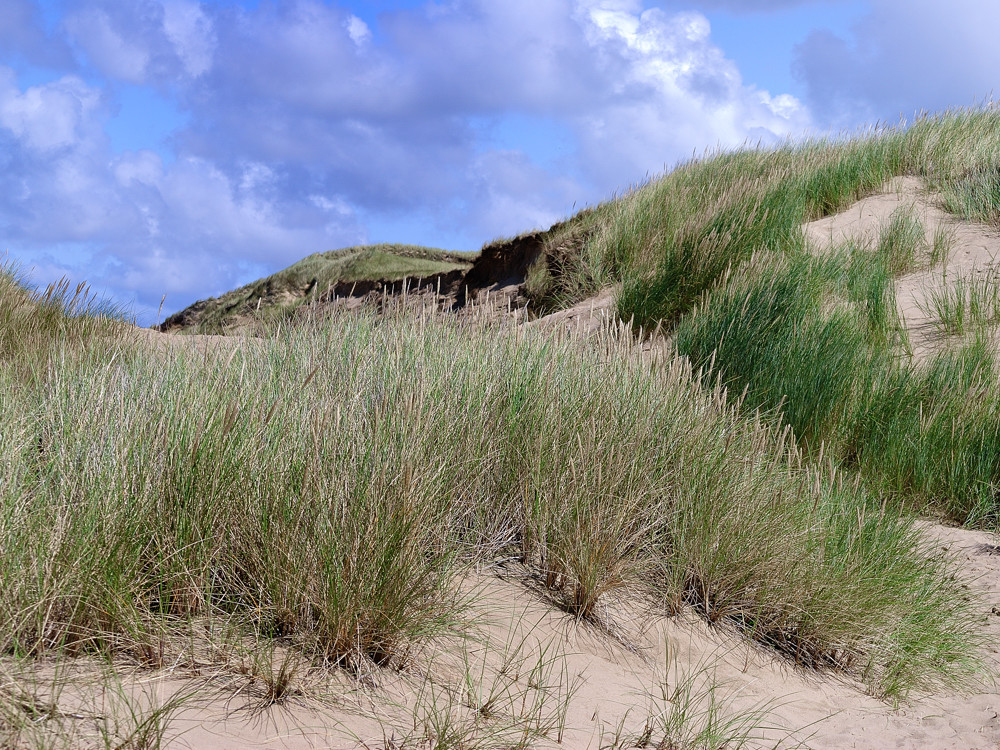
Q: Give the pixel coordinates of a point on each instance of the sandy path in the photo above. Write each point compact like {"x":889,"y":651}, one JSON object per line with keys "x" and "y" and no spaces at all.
{"x":594,"y":688}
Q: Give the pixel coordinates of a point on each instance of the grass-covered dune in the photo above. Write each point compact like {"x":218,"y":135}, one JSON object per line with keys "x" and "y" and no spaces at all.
{"x":670,"y":240}
{"x":312,"y":277}
{"x":714,"y":256}
{"x":334,"y":485}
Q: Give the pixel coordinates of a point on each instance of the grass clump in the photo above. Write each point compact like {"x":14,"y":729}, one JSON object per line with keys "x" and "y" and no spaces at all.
{"x":970,"y":302}
{"x":901,"y":242}
{"x":690,"y":710}
{"x":675,"y":237}
{"x":326,"y":486}
{"x":511,"y":695}
{"x":52,"y":709}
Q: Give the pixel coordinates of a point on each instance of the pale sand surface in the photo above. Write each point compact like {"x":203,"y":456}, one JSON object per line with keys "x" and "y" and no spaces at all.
{"x":975,"y":251}
{"x":207,"y":345}
{"x":608,"y":678}
{"x":585,"y":317}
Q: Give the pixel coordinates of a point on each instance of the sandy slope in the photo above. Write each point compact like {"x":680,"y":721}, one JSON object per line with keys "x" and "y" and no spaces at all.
{"x":591,"y":686}
{"x":975,"y":250}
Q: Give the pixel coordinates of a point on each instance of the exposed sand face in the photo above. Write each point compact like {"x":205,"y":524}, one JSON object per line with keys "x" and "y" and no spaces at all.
{"x":536,"y":666}
{"x":974,"y":251}
{"x":585,"y":317}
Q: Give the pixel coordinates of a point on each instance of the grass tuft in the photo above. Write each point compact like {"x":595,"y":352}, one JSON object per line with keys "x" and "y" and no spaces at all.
{"x":327,"y":485}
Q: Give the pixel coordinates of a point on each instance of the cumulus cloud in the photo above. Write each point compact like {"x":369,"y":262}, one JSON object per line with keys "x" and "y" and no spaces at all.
{"x":50,"y":117}
{"x":161,"y":42}
{"x":302,"y":84}
{"x":903,"y":57}
{"x":108,"y":48}
{"x":191,"y":33}
{"x":679,"y":92}
{"x":127,"y":217}
{"x":358,"y":31}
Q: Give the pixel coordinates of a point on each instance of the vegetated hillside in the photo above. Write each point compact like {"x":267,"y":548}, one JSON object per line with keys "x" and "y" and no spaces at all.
{"x":329,"y":490}
{"x":351,"y":271}
{"x":670,"y":240}
{"x":715,"y":256}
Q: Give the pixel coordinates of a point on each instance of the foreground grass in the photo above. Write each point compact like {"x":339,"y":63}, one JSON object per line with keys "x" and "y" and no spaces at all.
{"x":327,"y":487}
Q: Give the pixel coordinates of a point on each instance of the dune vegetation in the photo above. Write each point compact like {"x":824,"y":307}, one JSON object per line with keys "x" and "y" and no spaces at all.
{"x":278,"y":296}
{"x":713,"y":255}
{"x":329,"y":486}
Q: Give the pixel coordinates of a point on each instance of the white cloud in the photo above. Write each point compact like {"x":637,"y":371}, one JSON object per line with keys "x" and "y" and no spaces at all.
{"x":159,"y":42}
{"x":48,"y":117}
{"x":191,"y":33}
{"x":678,"y":93}
{"x":142,"y":167}
{"x":640,"y":87}
{"x":120,"y":221}
{"x":107,"y":47}
{"x":358,"y":31}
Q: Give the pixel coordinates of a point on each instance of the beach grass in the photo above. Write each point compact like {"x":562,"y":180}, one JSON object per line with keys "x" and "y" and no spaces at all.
{"x":329,"y":485}
{"x":713,"y":256}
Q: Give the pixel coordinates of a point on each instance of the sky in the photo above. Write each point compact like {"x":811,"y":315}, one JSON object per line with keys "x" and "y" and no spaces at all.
{"x":180,"y":148}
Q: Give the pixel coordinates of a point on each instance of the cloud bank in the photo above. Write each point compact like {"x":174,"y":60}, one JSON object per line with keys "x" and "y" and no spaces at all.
{"x":903,"y":57}
{"x":307,"y":126}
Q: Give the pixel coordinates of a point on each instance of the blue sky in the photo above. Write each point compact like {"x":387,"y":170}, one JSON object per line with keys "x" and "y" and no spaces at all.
{"x":183,"y":147}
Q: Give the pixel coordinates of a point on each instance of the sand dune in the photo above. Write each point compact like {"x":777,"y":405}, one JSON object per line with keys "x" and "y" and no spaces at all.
{"x":526,"y":672}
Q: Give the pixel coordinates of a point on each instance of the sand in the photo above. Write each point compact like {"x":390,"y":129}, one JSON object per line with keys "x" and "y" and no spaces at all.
{"x":975,"y":249}
{"x":592,"y":683}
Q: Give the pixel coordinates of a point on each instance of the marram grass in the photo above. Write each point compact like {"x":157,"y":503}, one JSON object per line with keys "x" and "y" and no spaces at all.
{"x":329,"y":485}
{"x":673,"y":238}
{"x":713,"y":255}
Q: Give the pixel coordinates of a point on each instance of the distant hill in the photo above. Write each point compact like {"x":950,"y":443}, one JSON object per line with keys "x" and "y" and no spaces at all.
{"x":360,"y":268}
